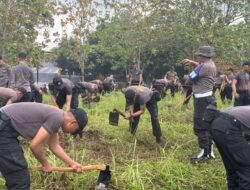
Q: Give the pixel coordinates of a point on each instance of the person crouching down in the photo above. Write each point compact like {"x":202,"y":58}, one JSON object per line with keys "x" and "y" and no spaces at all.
{"x":40,"y":124}
{"x":9,"y":96}
{"x":139,"y":98}
{"x":230,"y":131}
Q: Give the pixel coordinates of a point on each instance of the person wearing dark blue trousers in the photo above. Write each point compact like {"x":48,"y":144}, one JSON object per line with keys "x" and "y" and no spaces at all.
{"x":139,"y":98}
{"x":203,"y":79}
{"x":40,"y":124}
{"x":230,"y":131}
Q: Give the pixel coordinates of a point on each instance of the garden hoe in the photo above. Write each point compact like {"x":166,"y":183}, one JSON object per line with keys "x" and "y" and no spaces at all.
{"x":114,"y":117}
{"x":103,"y":179}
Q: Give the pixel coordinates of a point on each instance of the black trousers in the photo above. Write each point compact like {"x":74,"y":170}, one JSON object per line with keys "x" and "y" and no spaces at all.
{"x":37,"y":97}
{"x":172,"y":89}
{"x":188,"y":95}
{"x":226,"y":94}
{"x":234,"y":151}
{"x":108,"y":88}
{"x":153,"y":110}
{"x":61,"y":99}
{"x":201,"y":128}
{"x":28,"y":97}
{"x":13,"y":165}
{"x":160,"y":88}
{"x":135,"y":83}
{"x":243,"y":99}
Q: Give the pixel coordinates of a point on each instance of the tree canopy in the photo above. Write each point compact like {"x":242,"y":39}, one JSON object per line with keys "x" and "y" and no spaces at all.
{"x":155,"y":33}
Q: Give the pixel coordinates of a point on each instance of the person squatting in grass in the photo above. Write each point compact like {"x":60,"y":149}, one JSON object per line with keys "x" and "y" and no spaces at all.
{"x":230,"y":131}
{"x":203,"y":78}
{"x":9,"y":96}
{"x":40,"y":124}
{"x":161,"y":86}
{"x":139,"y":98}
{"x":109,"y":84}
{"x":63,"y":91}
{"x":88,"y":90}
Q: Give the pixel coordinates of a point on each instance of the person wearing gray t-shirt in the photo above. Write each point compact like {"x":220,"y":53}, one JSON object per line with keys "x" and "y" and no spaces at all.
{"x":63,"y":91}
{"x":22,"y":76}
{"x":139,"y":98}
{"x":135,"y":75}
{"x":203,"y":79}
{"x":9,"y":96}
{"x":40,"y":124}
{"x":230,"y":132}
{"x":87,"y":90}
{"x":161,"y":86}
{"x":241,"y":86}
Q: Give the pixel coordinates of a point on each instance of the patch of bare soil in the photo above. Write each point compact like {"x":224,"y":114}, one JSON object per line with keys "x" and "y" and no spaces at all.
{"x":93,"y":140}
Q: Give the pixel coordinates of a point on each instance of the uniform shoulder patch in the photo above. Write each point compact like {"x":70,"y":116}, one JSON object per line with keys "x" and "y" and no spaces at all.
{"x":53,"y":107}
{"x":139,"y":88}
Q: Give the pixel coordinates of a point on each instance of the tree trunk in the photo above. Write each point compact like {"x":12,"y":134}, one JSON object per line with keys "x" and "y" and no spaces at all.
{"x":82,"y":70}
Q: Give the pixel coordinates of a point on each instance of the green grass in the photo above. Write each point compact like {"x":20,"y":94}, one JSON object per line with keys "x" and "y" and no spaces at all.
{"x":137,"y":162}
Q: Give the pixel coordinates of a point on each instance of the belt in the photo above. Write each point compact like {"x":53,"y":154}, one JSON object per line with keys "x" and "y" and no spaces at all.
{"x":202,"y":95}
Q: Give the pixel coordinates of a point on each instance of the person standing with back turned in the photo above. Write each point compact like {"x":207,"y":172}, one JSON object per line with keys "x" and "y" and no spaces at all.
{"x":241,"y":86}
{"x":22,"y":76}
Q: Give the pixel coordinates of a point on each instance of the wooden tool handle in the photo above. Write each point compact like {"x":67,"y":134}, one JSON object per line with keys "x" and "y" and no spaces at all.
{"x":68,"y":169}
{"x":120,"y":112}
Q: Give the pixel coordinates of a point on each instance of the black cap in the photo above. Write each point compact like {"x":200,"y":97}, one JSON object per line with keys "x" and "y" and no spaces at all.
{"x":82,"y":120}
{"x":130,"y":95}
{"x":22,"y":55}
{"x":22,"y":90}
{"x":58,"y":82}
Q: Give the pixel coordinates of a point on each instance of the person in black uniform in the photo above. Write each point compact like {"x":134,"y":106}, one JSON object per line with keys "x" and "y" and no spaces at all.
{"x":230,"y":131}
{"x":63,"y":91}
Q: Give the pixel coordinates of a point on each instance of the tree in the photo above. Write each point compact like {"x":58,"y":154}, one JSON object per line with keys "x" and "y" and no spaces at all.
{"x":79,"y":14}
{"x":64,"y":57}
{"x":19,"y":21}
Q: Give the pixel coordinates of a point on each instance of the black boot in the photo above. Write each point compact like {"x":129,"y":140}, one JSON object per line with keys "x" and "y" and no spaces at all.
{"x":202,"y":155}
{"x":211,"y":152}
{"x":158,"y":140}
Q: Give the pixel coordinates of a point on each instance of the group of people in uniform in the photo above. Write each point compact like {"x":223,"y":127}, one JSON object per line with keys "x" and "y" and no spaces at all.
{"x":228,"y":129}
{"x":36,"y":122}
